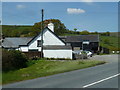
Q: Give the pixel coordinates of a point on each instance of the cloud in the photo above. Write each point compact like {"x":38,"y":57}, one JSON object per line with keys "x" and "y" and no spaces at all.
{"x":20,"y":6}
{"x":75,"y":11}
{"x":87,"y":0}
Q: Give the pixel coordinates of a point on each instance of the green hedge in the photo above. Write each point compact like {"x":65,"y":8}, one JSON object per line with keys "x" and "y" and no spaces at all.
{"x":12,"y":60}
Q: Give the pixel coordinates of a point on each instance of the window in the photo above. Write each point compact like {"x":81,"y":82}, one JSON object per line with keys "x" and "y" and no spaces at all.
{"x":39,"y":43}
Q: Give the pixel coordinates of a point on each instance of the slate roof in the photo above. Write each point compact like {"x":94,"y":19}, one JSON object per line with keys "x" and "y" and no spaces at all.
{"x":51,"y":47}
{"x":14,"y":42}
{"x":81,"y":38}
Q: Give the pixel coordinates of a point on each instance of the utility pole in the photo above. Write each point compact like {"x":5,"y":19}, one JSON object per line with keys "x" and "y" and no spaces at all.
{"x":82,"y":51}
{"x":42,"y":11}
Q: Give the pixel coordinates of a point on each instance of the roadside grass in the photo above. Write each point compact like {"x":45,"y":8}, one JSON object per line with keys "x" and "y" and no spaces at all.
{"x":0,"y":78}
{"x":41,"y":68}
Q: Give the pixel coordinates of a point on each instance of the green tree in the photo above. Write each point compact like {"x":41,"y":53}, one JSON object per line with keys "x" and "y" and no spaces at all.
{"x":59,"y":27}
{"x":105,"y":34}
{"x":85,"y":32}
{"x":75,"y":29}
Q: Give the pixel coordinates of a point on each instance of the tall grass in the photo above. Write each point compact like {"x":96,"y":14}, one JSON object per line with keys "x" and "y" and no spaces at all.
{"x":40,"y":68}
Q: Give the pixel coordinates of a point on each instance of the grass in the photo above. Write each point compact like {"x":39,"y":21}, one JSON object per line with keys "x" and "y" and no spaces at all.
{"x":113,"y":42}
{"x":0,"y":78}
{"x":41,"y":68}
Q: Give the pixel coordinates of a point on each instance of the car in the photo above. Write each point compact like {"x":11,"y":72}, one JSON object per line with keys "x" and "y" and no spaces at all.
{"x":89,"y":53}
{"x":79,"y":52}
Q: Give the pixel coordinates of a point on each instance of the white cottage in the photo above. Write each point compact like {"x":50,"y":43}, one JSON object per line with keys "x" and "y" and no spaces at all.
{"x":53,"y":46}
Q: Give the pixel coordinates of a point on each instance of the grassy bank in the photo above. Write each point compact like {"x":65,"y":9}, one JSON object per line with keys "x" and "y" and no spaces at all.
{"x":42,"y":68}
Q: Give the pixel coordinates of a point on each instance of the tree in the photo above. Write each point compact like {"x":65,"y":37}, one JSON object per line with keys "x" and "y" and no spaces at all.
{"x":105,"y":34}
{"x":75,"y":29}
{"x":85,"y":32}
{"x":94,"y":32}
{"x":59,"y":27}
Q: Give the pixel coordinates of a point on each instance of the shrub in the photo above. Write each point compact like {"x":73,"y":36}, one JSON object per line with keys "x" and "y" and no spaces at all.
{"x":12,"y":60}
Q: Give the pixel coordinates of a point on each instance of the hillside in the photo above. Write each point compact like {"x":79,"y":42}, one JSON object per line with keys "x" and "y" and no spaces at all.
{"x":110,"y":42}
{"x":28,"y":31}
{"x":16,"y":31}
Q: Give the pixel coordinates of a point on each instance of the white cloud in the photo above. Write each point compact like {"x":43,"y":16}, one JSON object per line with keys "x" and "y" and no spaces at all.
{"x":20,"y":6}
{"x":75,"y":11}
{"x":87,"y":0}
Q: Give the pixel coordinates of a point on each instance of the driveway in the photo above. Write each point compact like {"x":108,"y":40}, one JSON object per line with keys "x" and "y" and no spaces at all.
{"x":102,"y":76}
{"x":108,"y":58}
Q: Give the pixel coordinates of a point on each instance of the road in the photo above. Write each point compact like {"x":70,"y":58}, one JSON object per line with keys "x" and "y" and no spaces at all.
{"x":102,"y":76}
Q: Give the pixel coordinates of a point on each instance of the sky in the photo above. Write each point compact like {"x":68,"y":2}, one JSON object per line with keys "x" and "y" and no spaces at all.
{"x":91,"y":16}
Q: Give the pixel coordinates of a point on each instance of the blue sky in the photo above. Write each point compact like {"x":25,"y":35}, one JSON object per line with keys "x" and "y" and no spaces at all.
{"x":92,"y":16}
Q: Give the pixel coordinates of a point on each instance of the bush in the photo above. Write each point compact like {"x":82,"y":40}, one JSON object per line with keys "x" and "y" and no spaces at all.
{"x":12,"y":60}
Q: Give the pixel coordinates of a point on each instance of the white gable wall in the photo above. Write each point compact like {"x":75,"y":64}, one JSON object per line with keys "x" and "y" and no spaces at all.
{"x":33,"y":44}
{"x":49,"y":39}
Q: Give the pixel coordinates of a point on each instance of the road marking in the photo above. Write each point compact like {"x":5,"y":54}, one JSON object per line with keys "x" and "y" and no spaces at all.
{"x":101,"y":80}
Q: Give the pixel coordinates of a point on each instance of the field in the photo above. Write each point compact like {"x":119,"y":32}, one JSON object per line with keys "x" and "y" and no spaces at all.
{"x":40,"y":68}
{"x":110,"y":42}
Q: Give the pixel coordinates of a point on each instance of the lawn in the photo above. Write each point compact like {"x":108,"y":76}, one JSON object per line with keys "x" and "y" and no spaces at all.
{"x":41,"y":68}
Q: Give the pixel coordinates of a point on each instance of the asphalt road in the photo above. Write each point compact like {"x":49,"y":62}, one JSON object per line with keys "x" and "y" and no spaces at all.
{"x":102,"y":76}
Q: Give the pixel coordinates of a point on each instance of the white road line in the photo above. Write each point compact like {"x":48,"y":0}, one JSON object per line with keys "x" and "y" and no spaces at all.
{"x":101,"y":80}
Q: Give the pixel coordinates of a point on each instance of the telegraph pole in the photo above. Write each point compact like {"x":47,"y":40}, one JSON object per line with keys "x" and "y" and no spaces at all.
{"x":42,"y":11}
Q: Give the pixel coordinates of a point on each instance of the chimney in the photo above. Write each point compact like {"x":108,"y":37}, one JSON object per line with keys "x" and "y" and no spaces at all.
{"x":51,"y":26}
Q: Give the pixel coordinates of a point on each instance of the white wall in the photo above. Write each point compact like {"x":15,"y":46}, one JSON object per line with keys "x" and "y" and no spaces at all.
{"x":51,"y":39}
{"x":58,"y":53}
{"x":23,"y":48}
{"x":33,"y":44}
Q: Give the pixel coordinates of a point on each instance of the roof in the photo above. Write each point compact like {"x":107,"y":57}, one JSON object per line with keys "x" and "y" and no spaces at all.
{"x":14,"y":42}
{"x":51,"y":47}
{"x":81,"y":38}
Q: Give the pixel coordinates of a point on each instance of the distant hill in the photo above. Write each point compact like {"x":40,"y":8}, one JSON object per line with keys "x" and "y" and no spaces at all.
{"x":28,"y":31}
{"x":17,"y":31}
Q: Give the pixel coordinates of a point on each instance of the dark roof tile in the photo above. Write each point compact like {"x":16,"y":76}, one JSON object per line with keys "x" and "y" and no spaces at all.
{"x":81,"y":38}
{"x":14,"y":42}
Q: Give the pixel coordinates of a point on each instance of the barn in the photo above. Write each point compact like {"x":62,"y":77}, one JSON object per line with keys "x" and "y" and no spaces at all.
{"x":83,"y":42}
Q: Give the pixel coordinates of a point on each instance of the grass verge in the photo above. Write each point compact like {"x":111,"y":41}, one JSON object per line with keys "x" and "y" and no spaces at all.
{"x":41,"y":68}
